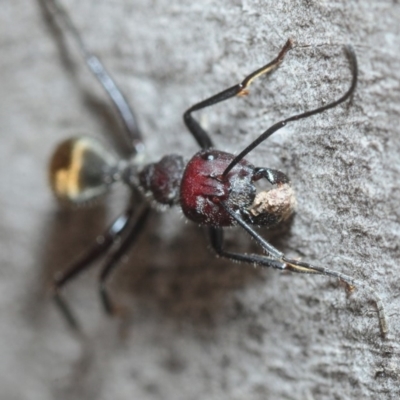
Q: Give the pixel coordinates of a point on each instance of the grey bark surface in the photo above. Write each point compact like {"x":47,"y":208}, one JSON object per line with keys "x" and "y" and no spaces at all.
{"x":198,"y":327}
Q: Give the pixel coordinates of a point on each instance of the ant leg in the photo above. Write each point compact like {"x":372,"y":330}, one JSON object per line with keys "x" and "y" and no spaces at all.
{"x":240,"y":89}
{"x":305,"y":268}
{"x":101,"y":246}
{"x":132,"y":131}
{"x":217,"y":239}
{"x":112,"y":262}
{"x":351,"y":55}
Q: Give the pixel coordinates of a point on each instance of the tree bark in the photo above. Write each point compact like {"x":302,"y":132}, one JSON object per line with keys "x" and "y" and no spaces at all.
{"x":195,"y":326}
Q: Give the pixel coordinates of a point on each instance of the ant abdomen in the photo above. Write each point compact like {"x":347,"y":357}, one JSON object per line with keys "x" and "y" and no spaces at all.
{"x":81,"y":169}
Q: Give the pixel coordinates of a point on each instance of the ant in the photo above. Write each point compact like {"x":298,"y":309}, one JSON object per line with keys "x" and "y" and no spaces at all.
{"x":214,"y":188}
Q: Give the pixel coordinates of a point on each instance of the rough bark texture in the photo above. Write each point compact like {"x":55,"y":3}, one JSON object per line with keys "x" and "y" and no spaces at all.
{"x":197,"y":327}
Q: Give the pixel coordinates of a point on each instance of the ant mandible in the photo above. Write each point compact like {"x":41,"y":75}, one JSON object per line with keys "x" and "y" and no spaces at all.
{"x":214,"y":188}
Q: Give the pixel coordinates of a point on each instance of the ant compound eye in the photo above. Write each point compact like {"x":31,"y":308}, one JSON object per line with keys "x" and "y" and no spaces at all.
{"x":208,"y":156}
{"x":80,"y":170}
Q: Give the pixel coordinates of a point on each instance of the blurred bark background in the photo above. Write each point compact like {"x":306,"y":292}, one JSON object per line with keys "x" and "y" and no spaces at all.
{"x":198,"y":327}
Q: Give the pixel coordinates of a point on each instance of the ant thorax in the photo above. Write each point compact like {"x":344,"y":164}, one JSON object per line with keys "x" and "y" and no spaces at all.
{"x":162,"y":180}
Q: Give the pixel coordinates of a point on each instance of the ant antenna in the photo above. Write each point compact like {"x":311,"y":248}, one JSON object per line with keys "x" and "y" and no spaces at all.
{"x":133,"y":136}
{"x":353,"y":65}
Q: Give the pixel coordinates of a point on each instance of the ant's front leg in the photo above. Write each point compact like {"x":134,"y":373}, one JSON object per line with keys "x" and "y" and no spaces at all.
{"x":306,"y":268}
{"x":200,"y":135}
{"x":217,"y":239}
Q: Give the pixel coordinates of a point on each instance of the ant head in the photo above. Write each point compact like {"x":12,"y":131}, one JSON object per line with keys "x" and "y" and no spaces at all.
{"x":81,"y":169}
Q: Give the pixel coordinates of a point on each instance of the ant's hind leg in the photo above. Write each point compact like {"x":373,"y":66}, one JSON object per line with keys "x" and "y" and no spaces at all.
{"x":113,"y":261}
{"x":133,"y":135}
{"x":194,"y":127}
{"x":100,"y":247}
